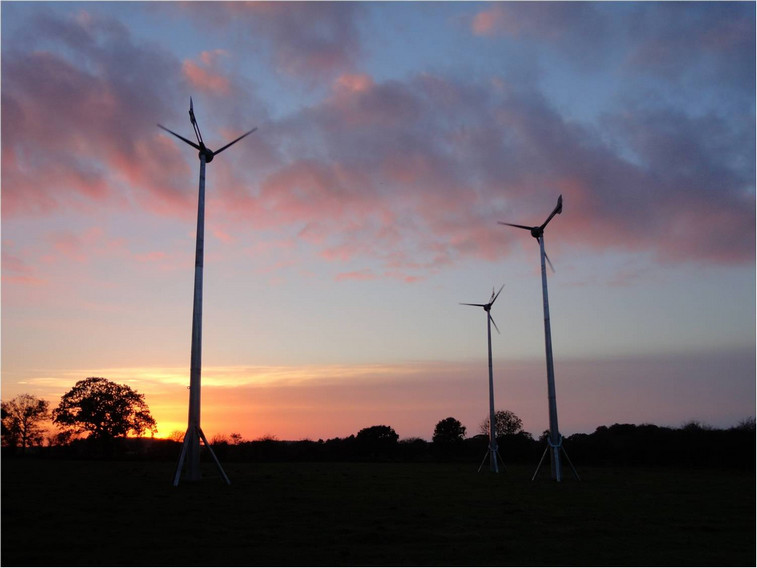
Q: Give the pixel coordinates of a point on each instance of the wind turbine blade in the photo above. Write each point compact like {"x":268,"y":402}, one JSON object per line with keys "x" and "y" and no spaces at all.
{"x":478,"y":305}
{"x":549,"y":262}
{"x":514,"y":225}
{"x":557,"y":210}
{"x":491,"y":319}
{"x":235,"y":141}
{"x":495,"y":297}
{"x":179,"y":137}
{"x":193,"y":120}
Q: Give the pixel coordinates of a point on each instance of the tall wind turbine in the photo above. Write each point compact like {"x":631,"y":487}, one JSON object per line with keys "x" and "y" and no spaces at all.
{"x":492,"y":452}
{"x":555,"y":439}
{"x":191,"y":446}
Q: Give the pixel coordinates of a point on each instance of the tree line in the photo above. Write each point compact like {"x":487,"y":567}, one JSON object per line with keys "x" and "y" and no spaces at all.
{"x":96,"y":407}
{"x":99,"y":418}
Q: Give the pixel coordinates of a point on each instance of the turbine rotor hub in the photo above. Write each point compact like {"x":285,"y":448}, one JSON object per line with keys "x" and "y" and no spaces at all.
{"x":205,"y":151}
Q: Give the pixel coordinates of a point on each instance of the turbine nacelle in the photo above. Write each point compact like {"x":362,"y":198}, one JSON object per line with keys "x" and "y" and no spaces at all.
{"x":538,"y":232}
{"x":204,"y":151}
{"x":488,"y":306}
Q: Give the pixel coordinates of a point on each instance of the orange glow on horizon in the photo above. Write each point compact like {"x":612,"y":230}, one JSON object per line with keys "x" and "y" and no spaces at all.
{"x":263,"y":400}
{"x":256,"y":401}
{"x":337,"y":401}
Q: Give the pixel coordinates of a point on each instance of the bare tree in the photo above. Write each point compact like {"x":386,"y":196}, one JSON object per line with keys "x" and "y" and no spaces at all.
{"x":219,"y":439}
{"x":505,"y":421}
{"x":22,"y":418}
{"x":176,"y":436}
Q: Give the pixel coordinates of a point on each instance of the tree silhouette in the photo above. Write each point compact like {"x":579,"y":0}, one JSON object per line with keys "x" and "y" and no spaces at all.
{"x":376,"y":440}
{"x":103,"y":408}
{"x":505,"y":421}
{"x":448,"y":431}
{"x":378,"y":435}
{"x":21,"y":418}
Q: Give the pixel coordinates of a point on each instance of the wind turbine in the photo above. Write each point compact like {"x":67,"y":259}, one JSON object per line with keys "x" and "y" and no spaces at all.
{"x":191,"y":446}
{"x":492,"y":452}
{"x":555,"y":439}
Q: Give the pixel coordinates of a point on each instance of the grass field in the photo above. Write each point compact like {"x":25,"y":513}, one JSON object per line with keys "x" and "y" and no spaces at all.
{"x":62,"y":513}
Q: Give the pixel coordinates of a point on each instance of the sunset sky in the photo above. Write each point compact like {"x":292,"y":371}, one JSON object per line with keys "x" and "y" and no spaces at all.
{"x":342,"y":235}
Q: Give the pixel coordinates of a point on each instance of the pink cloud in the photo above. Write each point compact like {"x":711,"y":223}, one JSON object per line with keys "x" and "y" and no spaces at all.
{"x":386,"y":179}
{"x":487,"y":21}
{"x":70,"y":246}
{"x":413,"y":173}
{"x":76,"y":129}
{"x":204,"y":79}
{"x":222,"y":235}
{"x":364,"y":274}
{"x":82,"y":247}
{"x":203,"y":75}
{"x":353,"y":83}
{"x":91,"y":246}
{"x":152,"y":256}
{"x":211,"y":57}
{"x":551,"y":21}
{"x":16,"y":270}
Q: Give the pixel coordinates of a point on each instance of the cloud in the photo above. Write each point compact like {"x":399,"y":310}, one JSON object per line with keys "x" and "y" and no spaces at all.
{"x":364,"y":274}
{"x":416,"y":173}
{"x":573,"y":30}
{"x":671,"y":41}
{"x":703,"y":42}
{"x":201,"y":75}
{"x":551,"y":21}
{"x":16,"y":270}
{"x":487,"y":21}
{"x":409,"y":175}
{"x":80,"y":100}
{"x":222,"y":235}
{"x":84,"y":246}
{"x":152,"y":256}
{"x":38,"y":263}
{"x":303,"y":39}
{"x":80,"y":121}
{"x":373,"y":173}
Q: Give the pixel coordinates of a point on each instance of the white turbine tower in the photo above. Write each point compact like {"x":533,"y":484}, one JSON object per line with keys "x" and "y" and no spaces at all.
{"x":191,"y":446}
{"x":492,"y":452}
{"x":555,"y":439}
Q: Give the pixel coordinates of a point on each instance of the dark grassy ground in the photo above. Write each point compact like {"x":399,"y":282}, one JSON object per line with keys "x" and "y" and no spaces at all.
{"x":61,"y":513}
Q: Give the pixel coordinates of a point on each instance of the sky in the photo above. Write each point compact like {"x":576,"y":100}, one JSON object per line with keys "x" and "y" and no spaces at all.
{"x":343,"y":234}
